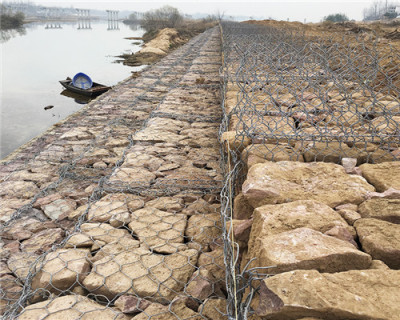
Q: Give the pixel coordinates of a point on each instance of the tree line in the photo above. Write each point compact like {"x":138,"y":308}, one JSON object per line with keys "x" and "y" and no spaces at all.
{"x":11,"y":21}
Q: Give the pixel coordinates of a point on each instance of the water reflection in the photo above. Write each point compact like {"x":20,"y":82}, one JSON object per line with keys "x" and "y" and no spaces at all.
{"x":84,"y":19}
{"x":77,"y":97}
{"x":6,"y":35}
{"x":134,"y":27}
{"x":112,"y":20}
{"x":113,"y":25}
{"x":84,"y":24}
{"x":53,"y":25}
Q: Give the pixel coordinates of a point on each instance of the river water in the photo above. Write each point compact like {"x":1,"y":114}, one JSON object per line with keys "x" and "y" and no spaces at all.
{"x":33,"y":61}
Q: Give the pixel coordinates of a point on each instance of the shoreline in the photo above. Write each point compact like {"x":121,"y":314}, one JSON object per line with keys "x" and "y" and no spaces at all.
{"x":146,"y":61}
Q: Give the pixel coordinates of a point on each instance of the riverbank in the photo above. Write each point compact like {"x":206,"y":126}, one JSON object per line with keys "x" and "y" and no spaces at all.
{"x":159,"y":43}
{"x":47,"y":67}
{"x":149,"y":145}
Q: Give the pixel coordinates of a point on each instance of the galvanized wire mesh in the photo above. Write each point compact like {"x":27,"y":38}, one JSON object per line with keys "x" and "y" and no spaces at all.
{"x":122,"y":211}
{"x":115,"y":212}
{"x":293,"y":96}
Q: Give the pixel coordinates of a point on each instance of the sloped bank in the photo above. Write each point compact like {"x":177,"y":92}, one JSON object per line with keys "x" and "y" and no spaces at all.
{"x":118,"y":216}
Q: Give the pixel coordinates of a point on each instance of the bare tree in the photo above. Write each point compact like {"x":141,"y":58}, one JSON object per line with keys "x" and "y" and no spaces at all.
{"x":165,"y":17}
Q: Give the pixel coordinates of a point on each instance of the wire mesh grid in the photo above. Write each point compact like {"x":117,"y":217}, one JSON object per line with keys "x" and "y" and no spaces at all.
{"x":289,"y":96}
{"x":118,"y":216}
{"x":116,"y":213}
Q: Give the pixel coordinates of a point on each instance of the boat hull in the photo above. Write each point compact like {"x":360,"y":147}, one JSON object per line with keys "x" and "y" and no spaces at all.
{"x":95,"y":90}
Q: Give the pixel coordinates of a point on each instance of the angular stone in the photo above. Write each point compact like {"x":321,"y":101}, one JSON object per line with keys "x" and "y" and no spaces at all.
{"x":382,"y":176}
{"x":349,"y":215}
{"x":113,"y":142}
{"x":79,"y":240}
{"x":305,"y":248}
{"x":77,"y":134}
{"x":274,"y":219}
{"x":20,"y":189}
{"x":62,"y":269}
{"x":70,"y":307}
{"x":74,"y":215}
{"x":349,"y":165}
{"x":139,"y":272}
{"x":141,"y":160}
{"x":328,"y":151}
{"x":100,"y":165}
{"x":42,"y":201}
{"x":214,"y":309}
{"x":184,"y":307}
{"x":342,"y":234}
{"x":4,"y":269}
{"x":133,"y":176}
{"x":60,"y":207}
{"x":104,"y":211}
{"x":124,"y":244}
{"x":173,"y":312}
{"x":234,"y":141}
{"x":135,"y":203}
{"x":241,"y":231}
{"x":378,"y":264}
{"x":22,"y":229}
{"x":347,"y":206}
{"x":213,"y":262}
{"x":103,"y":232}
{"x":381,"y":239}
{"x":25,"y":175}
{"x":242,"y":210}
{"x":200,"y":206}
{"x":42,"y":241}
{"x":162,"y":231}
{"x":131,"y":304}
{"x":363,"y":295}
{"x":169,"y":204}
{"x":10,"y":291}
{"x":155,"y":311}
{"x":271,"y":183}
{"x":188,"y":175}
{"x":260,"y":153}
{"x":20,"y":264}
{"x":267,"y":127}
{"x":390,"y":193}
{"x":203,"y":285}
{"x":204,"y":228}
{"x":383,"y":209}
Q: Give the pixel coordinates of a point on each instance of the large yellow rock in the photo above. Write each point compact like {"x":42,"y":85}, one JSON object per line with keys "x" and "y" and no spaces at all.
{"x":381,"y":239}
{"x":162,"y":231}
{"x":362,"y":295}
{"x":383,"y":175}
{"x":204,"y":228}
{"x":305,"y":248}
{"x":63,"y":269}
{"x":285,"y":181}
{"x":270,"y":220}
{"x":70,"y":307}
{"x":140,"y":272}
{"x":383,"y":209}
{"x":260,"y":153}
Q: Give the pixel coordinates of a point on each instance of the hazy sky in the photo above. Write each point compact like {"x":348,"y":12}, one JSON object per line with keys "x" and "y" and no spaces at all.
{"x":298,"y":10}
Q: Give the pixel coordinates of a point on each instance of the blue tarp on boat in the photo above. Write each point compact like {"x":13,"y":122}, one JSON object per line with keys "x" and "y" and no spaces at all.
{"x":82,"y":81}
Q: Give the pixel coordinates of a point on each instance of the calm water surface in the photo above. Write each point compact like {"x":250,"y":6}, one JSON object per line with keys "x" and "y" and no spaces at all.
{"x":34,"y":62}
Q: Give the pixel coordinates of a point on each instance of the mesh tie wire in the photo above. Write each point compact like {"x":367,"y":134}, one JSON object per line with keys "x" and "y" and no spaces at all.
{"x":231,"y":229}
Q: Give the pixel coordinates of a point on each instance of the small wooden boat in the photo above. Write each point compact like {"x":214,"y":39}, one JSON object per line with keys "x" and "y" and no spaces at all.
{"x":94,"y":91}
